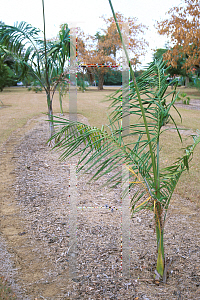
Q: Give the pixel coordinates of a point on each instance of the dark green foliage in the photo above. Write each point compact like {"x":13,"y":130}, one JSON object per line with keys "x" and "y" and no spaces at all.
{"x":8,"y":75}
{"x":174,"y":71}
{"x":82,"y":81}
{"x":113,"y":77}
{"x":35,"y":86}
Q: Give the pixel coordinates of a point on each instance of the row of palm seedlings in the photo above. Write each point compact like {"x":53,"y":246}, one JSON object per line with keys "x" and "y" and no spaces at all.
{"x":103,"y":150}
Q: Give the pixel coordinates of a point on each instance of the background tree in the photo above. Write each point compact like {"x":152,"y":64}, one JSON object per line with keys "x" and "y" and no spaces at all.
{"x":113,"y":77}
{"x":111,"y":40}
{"x":105,"y":46}
{"x":183,"y":29}
{"x":8,"y":77}
{"x":177,"y":70}
{"x":93,"y":58}
{"x":8,"y":68}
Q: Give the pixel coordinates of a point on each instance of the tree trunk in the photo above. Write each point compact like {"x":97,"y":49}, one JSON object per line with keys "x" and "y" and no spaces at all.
{"x":101,"y":80}
{"x":186,"y":81}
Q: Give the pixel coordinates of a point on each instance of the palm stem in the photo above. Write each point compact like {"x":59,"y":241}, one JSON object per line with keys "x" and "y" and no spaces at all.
{"x":45,"y":53}
{"x":60,"y":99}
{"x":49,"y":100}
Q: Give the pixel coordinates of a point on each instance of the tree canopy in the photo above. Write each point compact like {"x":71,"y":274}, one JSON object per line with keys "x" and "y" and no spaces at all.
{"x":111,"y":39}
{"x":101,"y":49}
{"x":183,"y":30}
{"x":172,"y":71}
{"x":7,"y":70}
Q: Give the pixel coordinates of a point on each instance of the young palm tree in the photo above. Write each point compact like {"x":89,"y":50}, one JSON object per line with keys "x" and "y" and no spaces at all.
{"x":43,"y":60}
{"x":60,"y":50}
{"x":103,"y":150}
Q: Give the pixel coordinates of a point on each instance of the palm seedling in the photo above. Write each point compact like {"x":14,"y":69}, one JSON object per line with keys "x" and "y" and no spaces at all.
{"x":103,"y":150}
{"x":60,"y":51}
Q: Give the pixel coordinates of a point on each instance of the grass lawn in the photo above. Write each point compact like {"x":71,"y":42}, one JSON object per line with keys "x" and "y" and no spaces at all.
{"x":21,"y":105}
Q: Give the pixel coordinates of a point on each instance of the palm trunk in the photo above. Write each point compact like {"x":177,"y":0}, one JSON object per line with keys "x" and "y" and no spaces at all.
{"x":48,"y":86}
{"x":158,"y":220}
{"x":60,"y":100}
{"x":160,"y":244}
{"x":50,"y":115}
{"x":160,"y":258}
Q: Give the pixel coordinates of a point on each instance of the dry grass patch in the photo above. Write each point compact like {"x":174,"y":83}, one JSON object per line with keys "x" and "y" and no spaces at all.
{"x":21,"y":105}
{"x":191,"y":92}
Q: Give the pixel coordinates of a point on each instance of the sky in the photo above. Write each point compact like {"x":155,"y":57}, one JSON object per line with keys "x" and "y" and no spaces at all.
{"x":86,"y":15}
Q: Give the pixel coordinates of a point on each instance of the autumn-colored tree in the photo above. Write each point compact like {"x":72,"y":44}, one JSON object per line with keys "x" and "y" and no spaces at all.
{"x":183,"y":29}
{"x":103,"y":47}
{"x":172,"y":71}
{"x":111,"y":40}
{"x":92,"y":58}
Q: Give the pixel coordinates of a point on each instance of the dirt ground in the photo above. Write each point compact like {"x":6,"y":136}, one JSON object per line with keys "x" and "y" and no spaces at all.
{"x":35,"y":233}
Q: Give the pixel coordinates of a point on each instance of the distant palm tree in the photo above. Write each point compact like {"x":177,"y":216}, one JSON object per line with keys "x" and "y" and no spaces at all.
{"x":60,"y":49}
{"x":44,"y":60}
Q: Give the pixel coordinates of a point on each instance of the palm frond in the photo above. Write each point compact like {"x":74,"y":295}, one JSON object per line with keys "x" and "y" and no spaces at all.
{"x":101,"y":150}
{"x":104,"y":151}
{"x":16,"y":38}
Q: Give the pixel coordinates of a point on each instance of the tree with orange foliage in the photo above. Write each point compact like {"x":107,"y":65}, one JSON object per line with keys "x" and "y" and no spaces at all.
{"x":99,"y":52}
{"x":111,"y":41}
{"x":92,"y":58}
{"x":183,"y":30}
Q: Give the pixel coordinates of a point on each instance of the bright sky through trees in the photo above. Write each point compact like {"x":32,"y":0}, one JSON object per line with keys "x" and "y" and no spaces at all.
{"x":86,"y":14}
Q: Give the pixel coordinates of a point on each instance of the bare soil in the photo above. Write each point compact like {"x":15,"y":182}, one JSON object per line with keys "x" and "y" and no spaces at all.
{"x":34,"y":232}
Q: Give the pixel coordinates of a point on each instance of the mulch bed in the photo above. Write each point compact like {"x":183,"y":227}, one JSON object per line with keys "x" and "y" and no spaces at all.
{"x":42,"y":194}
